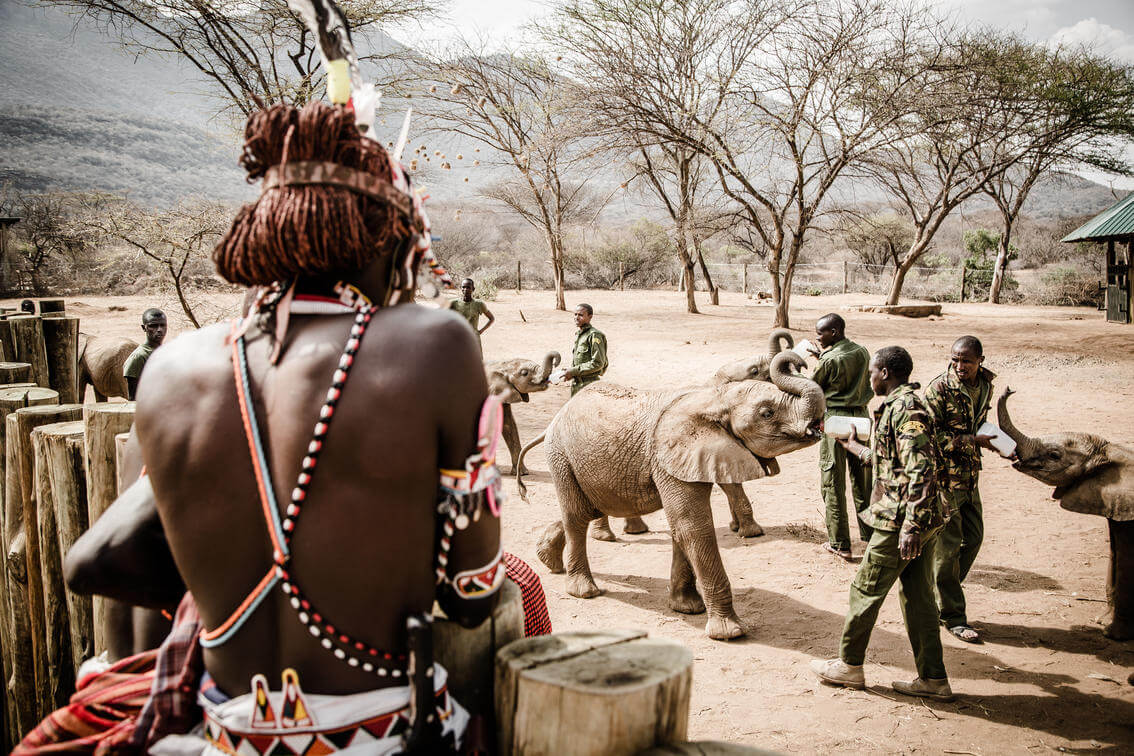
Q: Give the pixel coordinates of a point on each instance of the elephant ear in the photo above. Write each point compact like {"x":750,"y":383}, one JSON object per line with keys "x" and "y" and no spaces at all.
{"x":500,"y":386}
{"x":1109,"y":492}
{"x":692,"y":443}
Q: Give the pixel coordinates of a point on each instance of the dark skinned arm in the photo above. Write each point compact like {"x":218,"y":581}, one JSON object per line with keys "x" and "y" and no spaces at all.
{"x":491,"y":319}
{"x":464,"y":386}
{"x":124,"y":555}
{"x":131,"y":388}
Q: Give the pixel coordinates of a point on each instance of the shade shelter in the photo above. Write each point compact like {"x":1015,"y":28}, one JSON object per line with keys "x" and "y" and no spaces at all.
{"x":1115,"y":227}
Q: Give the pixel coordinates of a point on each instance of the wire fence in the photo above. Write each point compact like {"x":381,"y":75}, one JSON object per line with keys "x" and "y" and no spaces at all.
{"x":838,"y":278}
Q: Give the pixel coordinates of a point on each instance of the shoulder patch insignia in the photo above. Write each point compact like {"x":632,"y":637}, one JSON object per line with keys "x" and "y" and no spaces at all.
{"x":912,"y":427}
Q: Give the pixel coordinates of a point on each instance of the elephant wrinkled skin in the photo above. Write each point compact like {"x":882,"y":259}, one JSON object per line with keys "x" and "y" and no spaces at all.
{"x":626,"y":452}
{"x":512,"y":381}
{"x":101,"y":359}
{"x":1092,"y":476}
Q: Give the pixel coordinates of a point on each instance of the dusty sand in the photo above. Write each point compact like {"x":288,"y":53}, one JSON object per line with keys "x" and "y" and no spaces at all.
{"x":1044,"y":679}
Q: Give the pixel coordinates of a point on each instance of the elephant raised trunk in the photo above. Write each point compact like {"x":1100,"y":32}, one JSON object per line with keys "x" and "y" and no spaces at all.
{"x":550,"y":362}
{"x":777,"y":339}
{"x":1026,"y":447}
{"x":789,"y":381}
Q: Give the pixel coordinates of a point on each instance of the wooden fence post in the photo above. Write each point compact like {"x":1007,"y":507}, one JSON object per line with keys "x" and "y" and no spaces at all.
{"x":59,"y":679}
{"x":845,"y":276}
{"x":964,"y":271}
{"x":621,"y":284}
{"x":468,"y":653}
{"x":578,"y":694}
{"x":65,"y":455}
{"x":27,"y":346}
{"x":52,"y":308}
{"x":744,"y":284}
{"x":15,"y":636}
{"x":102,"y":421}
{"x":61,"y":343}
{"x":519,"y":276}
{"x":14,"y":372}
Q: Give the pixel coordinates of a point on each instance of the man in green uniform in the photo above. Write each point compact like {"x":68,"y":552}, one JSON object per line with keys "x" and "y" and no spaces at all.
{"x":588,"y":357}
{"x":906,"y":513}
{"x":471,"y":309}
{"x":959,"y":400}
{"x":155,"y":326}
{"x":842,"y":374}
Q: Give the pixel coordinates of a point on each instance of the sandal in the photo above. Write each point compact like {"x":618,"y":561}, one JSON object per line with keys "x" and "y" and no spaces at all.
{"x":965,"y":633}
{"x":844,"y":554}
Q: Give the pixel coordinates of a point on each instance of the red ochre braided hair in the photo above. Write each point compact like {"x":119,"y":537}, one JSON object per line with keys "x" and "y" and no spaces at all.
{"x":315,"y":229}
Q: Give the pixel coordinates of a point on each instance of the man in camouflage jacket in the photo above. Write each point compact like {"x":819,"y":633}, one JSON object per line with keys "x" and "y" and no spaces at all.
{"x":588,"y":355}
{"x":959,"y":400}
{"x":906,"y":513}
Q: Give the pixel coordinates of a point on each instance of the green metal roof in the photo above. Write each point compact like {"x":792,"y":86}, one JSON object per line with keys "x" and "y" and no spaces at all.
{"x":1116,"y":222}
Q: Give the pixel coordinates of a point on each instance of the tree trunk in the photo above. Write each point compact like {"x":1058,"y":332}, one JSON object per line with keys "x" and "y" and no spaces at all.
{"x":898,"y":281}
{"x":557,"y":271}
{"x":714,"y":296}
{"x":782,"y":318}
{"x":1001,"y":267}
{"x":689,"y":282}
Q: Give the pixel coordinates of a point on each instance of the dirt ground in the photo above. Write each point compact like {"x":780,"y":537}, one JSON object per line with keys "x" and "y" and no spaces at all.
{"x":1044,"y":679}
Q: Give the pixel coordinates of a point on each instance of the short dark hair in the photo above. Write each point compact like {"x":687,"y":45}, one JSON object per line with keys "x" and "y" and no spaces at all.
{"x":834,"y":320}
{"x":151,"y":314}
{"x":584,"y":306}
{"x":27,"y":306}
{"x":469,"y":280}
{"x":897,"y":362}
{"x":969,"y":344}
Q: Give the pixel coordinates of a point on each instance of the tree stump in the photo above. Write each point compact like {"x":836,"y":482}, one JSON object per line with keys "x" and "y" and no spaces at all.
{"x":56,"y":686}
{"x":571,"y":694}
{"x":102,"y":422}
{"x":468,"y":653}
{"x":27,"y":346}
{"x":61,"y":342}
{"x":12,"y":399}
{"x":14,"y":372}
{"x":65,"y":456}
{"x":53,"y":308}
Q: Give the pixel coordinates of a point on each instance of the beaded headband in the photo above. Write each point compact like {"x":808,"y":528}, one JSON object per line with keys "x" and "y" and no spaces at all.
{"x":318,"y":173}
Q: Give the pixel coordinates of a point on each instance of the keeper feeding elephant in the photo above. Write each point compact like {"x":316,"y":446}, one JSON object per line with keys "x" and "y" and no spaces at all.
{"x":627,"y":452}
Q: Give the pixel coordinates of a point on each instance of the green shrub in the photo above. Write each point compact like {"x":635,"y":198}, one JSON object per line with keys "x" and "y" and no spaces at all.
{"x":814,"y":291}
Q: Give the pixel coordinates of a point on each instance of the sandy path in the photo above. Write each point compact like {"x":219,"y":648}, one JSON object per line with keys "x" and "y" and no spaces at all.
{"x":1036,"y":684}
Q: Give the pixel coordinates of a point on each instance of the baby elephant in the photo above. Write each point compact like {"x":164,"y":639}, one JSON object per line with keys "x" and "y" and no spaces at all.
{"x":512,"y":381}
{"x":626,"y":452}
{"x":1092,"y":476}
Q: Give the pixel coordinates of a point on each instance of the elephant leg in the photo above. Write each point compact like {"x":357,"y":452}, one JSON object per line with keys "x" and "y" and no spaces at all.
{"x":1120,"y":582}
{"x":635,"y":526}
{"x":549,"y":549}
{"x":577,"y":511}
{"x":691,"y":523}
{"x":683,"y":595}
{"x":742,"y":522}
{"x":512,"y":438}
{"x":600,"y":529}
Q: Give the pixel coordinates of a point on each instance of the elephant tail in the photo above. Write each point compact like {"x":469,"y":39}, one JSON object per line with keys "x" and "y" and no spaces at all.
{"x":519,"y":465}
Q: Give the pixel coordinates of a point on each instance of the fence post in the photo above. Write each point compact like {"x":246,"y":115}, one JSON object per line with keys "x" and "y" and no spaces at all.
{"x":964,"y":270}
{"x":845,"y":276}
{"x":519,"y":276}
{"x":744,"y":280}
{"x":621,"y":283}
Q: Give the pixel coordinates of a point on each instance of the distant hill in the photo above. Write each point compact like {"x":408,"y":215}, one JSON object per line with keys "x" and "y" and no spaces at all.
{"x":79,"y":113}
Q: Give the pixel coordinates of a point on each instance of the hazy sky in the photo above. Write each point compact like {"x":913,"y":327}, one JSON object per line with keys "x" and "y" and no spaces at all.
{"x":1108,"y":22}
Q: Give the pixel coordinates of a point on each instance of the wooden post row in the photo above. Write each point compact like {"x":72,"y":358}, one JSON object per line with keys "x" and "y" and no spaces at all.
{"x":28,"y":346}
{"x":103,"y":421}
{"x":578,"y":694}
{"x":61,"y":344}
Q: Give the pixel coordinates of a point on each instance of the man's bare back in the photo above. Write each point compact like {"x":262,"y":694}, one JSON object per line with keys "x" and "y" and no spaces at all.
{"x":363,"y":550}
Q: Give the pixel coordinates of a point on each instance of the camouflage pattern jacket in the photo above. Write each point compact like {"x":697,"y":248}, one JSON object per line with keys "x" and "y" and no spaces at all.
{"x":905,"y":459}
{"x":588,"y":357}
{"x":956,"y":418}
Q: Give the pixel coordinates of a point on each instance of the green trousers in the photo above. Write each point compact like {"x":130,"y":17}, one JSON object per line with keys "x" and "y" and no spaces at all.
{"x":881,"y":567}
{"x":834,"y":463}
{"x":578,"y":384}
{"x":957,"y":547}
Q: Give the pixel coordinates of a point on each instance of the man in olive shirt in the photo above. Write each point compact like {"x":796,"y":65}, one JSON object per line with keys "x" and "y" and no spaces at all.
{"x":906,"y":513}
{"x":959,"y":400}
{"x":842,"y":374}
{"x":471,"y":309}
{"x":588,"y":357}
{"x":155,"y":326}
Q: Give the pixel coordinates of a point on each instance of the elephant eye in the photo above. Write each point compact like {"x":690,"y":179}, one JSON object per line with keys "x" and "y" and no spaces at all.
{"x":523,"y":372}
{"x":767,"y":412}
{"x":1055,"y":454}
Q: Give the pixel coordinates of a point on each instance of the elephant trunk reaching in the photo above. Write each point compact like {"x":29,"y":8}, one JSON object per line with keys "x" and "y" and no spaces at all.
{"x":777,"y":339}
{"x":550,"y":362}
{"x":1026,"y":447}
{"x":789,"y":381}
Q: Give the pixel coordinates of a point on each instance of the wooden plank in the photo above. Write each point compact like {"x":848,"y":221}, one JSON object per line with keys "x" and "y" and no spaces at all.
{"x":590,"y":696}
{"x":102,"y":422}
{"x":68,"y":486}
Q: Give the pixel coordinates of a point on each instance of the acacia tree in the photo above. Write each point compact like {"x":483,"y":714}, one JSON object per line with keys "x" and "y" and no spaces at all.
{"x":246,"y":51}
{"x":1082,"y":109}
{"x":878,"y":240}
{"x":518,"y":107}
{"x":645,"y":68}
{"x":50,"y":230}
{"x":798,"y":90}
